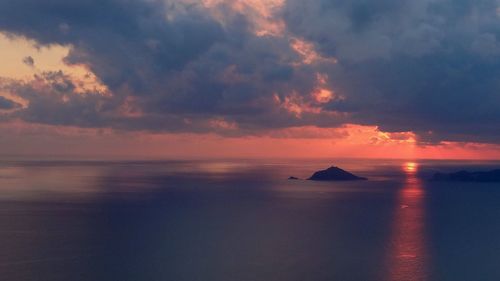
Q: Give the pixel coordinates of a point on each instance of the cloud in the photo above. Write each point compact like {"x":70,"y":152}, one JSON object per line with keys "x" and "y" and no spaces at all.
{"x":53,"y":99}
{"x":430,"y":67}
{"x":29,"y":61}
{"x":176,"y":66}
{"x":7,"y":104}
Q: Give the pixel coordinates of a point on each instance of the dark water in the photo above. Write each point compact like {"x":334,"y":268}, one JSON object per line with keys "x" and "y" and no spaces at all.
{"x":244,"y":221}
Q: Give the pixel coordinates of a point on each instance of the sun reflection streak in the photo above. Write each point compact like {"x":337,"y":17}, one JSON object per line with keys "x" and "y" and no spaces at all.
{"x":410,"y":168}
{"x":407,"y":260}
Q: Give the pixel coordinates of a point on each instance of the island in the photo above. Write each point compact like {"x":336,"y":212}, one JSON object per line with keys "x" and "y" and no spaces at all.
{"x":465,"y":176}
{"x":293,"y":178}
{"x":334,"y":174}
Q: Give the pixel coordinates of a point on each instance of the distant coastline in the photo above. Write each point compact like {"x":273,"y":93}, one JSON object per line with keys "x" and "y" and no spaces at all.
{"x":466,"y":176}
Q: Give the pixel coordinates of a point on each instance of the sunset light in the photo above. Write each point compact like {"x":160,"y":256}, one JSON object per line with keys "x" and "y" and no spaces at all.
{"x":410,"y":167}
{"x":238,"y":140}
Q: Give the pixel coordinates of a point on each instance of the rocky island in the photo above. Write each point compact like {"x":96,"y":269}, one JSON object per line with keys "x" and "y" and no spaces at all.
{"x":334,"y":174}
{"x":465,"y":176}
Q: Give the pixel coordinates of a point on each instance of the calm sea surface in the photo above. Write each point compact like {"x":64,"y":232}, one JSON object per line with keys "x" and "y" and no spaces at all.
{"x":244,"y":221}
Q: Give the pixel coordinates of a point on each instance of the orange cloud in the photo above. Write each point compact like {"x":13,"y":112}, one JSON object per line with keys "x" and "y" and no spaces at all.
{"x":323,"y":95}
{"x":308,"y":52}
{"x":15,"y":50}
{"x":261,"y":13}
{"x":221,"y":124}
{"x":20,"y":138}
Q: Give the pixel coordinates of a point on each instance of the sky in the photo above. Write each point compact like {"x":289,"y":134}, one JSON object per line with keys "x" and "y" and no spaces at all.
{"x":250,"y":78}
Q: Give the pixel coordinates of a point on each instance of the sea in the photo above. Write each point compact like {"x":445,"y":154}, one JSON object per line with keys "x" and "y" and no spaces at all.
{"x":243,"y":220}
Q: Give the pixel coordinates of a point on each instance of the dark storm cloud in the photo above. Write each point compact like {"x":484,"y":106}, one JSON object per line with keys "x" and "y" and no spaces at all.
{"x":125,"y":42}
{"x":53,"y":100}
{"x":175,"y":62}
{"x":6,"y":104}
{"x":429,"y":66}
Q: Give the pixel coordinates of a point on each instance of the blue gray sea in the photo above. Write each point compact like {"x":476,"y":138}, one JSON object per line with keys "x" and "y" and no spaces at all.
{"x":243,"y":220}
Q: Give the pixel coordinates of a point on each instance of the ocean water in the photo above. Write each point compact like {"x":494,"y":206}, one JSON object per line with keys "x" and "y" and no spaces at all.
{"x":242,"y":220}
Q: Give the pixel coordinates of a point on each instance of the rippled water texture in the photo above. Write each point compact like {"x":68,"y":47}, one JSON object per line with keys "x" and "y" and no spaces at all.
{"x":243,"y":220}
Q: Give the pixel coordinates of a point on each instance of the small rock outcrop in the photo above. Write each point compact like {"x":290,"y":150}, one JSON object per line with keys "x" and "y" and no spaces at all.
{"x":465,"y":176}
{"x":334,"y":174}
{"x":293,"y":178}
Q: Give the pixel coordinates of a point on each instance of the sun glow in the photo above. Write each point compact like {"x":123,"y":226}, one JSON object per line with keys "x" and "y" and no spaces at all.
{"x":407,"y":259}
{"x":410,"y":167}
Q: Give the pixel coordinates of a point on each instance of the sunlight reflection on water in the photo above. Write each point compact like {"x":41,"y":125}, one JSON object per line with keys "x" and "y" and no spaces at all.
{"x":244,"y":220}
{"x":407,"y":259}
